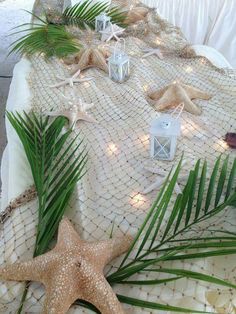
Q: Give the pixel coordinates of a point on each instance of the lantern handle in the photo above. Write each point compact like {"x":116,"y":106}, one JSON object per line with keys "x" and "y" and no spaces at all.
{"x":178,"y":111}
{"x":116,"y":44}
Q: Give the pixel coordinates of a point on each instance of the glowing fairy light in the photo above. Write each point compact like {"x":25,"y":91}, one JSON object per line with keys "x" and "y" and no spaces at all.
{"x":188,"y":69}
{"x":144,"y":139}
{"x":145,"y":88}
{"x":112,"y":149}
{"x":137,"y":200}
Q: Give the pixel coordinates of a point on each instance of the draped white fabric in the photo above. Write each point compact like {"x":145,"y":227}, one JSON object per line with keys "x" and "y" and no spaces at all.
{"x":208,"y":22}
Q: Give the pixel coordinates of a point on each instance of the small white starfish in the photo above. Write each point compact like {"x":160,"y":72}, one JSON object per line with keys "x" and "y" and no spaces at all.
{"x":112,"y":31}
{"x":71,"y":80}
{"x":153,"y":51}
{"x":77,"y":111}
{"x":161,"y":177}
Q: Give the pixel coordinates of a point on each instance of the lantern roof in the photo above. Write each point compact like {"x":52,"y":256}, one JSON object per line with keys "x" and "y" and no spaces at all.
{"x":103,"y":16}
{"x":165,"y":125}
{"x":119,"y":57}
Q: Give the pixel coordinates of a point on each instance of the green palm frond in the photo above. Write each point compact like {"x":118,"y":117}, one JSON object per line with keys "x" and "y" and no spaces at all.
{"x":166,"y":236}
{"x":56,"y":162}
{"x":84,"y":14}
{"x":51,"y":38}
{"x":45,"y":39}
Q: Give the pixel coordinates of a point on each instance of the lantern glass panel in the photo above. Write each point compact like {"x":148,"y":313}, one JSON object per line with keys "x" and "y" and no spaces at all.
{"x":126,"y":70}
{"x":107,"y":23}
{"x":99,"y":25}
{"x":102,"y":22}
{"x":162,"y":147}
{"x":119,"y":70}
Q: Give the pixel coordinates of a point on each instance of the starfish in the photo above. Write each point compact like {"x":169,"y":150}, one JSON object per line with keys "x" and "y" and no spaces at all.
{"x":176,"y":93}
{"x":153,"y":51}
{"x":74,"y":113}
{"x":112,"y":31}
{"x":135,"y":14}
{"x":161,"y":178}
{"x":72,"y":270}
{"x":92,"y":57}
{"x":71,"y":80}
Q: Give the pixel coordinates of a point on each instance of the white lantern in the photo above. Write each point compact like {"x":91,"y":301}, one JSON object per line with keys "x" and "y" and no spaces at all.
{"x":102,"y":21}
{"x":164,"y":131}
{"x":119,"y":65}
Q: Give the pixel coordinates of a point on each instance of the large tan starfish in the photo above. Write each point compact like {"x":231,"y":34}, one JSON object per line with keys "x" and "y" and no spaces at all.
{"x":176,"y":93}
{"x":135,"y":14}
{"x":72,"y":270}
{"x":91,"y":57}
{"x":134,"y":10}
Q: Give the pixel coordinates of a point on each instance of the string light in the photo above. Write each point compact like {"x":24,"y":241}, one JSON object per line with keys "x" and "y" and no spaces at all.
{"x":144,"y":139}
{"x":145,"y":88}
{"x":188,"y":69}
{"x":112,"y":149}
{"x":137,"y":199}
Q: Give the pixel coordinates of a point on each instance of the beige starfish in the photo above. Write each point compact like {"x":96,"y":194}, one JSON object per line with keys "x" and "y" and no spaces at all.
{"x":91,"y":57}
{"x":72,"y":270}
{"x":77,"y":111}
{"x":161,"y":178}
{"x":135,"y":14}
{"x":71,"y":80}
{"x":153,"y":51}
{"x":112,"y":31}
{"x":176,"y":93}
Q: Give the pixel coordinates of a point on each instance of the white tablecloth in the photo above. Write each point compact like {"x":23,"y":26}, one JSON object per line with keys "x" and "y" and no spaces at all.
{"x":14,"y":169}
{"x":15,"y":172}
{"x":208,"y":22}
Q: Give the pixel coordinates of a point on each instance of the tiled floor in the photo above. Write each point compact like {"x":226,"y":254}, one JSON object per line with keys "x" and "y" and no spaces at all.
{"x":11,"y":15}
{"x":4,"y":87}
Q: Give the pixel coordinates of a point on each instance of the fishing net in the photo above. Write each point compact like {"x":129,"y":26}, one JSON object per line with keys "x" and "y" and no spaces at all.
{"x":110,"y":194}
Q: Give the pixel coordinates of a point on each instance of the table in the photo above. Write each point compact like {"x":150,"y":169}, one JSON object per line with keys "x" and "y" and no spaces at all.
{"x":119,"y":149}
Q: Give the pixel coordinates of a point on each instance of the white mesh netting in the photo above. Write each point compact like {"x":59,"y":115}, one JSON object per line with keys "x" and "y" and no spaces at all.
{"x":111,"y":191}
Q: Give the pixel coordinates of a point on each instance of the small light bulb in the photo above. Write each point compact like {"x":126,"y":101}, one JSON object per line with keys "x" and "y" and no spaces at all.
{"x":137,"y":200}
{"x":112,"y":149}
{"x":188,"y":69}
{"x":145,"y":87}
